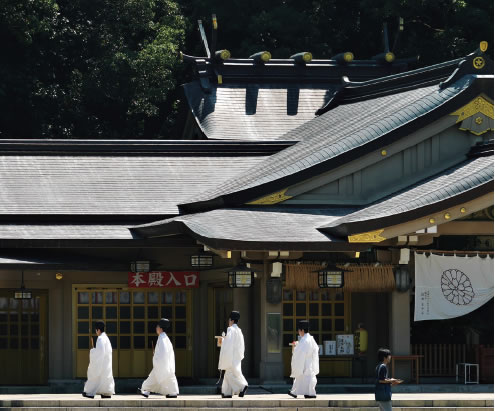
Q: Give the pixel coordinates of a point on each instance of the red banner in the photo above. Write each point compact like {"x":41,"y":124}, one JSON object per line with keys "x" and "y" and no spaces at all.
{"x":164,"y":279}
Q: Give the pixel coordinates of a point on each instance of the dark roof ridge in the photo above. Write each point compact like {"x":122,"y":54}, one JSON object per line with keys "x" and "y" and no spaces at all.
{"x":476,"y":63}
{"x":292,"y":62}
{"x":352,"y":91}
{"x":141,"y":147}
{"x":404,"y":74}
{"x":211,"y":71}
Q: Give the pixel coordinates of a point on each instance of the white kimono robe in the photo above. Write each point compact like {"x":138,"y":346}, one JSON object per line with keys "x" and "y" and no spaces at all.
{"x":231,"y":355}
{"x":305,"y":366}
{"x":162,"y":378}
{"x":100,"y":373}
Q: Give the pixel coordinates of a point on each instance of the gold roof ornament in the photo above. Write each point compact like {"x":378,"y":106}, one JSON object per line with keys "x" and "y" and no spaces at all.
{"x":476,"y":116}
{"x":270,"y":199}
{"x":348,"y":56}
{"x":479,"y":62}
{"x":389,"y":57}
{"x":369,"y":237}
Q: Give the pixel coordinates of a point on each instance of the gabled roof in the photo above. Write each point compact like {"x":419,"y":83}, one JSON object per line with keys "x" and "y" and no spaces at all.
{"x":317,"y":229}
{"x":115,"y":178}
{"x":254,"y":111}
{"x":459,"y":184}
{"x":342,"y":135}
{"x":248,"y":100}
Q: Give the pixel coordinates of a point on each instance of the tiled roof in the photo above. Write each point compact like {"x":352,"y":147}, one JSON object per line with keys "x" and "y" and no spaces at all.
{"x":340,"y":131}
{"x":255,"y":111}
{"x":252,"y":228}
{"x":109,"y":185}
{"x":428,"y":194}
{"x":320,"y":229}
{"x":65,"y":231}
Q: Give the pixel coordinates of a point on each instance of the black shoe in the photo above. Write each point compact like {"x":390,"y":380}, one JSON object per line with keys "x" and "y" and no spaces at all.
{"x":87,"y":396}
{"x":292,"y":395}
{"x":171,"y":396}
{"x":106,"y":396}
{"x":241,"y":394}
{"x":142,"y":393}
{"x":226,"y":396}
{"x":310,"y":396}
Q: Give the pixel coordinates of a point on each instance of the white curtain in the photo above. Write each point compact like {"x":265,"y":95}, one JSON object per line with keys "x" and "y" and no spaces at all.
{"x":451,"y":286}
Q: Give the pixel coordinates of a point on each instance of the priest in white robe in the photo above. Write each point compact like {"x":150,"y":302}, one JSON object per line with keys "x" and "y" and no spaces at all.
{"x":231,"y":355}
{"x":305,"y":364}
{"x":100,"y":374}
{"x":162,"y":378}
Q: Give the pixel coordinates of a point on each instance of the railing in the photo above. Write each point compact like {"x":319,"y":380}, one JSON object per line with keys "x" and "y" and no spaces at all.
{"x":439,"y":360}
{"x":485,"y":359}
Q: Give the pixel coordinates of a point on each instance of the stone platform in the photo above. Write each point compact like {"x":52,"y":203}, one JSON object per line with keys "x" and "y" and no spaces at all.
{"x":207,"y":387}
{"x":255,"y":402}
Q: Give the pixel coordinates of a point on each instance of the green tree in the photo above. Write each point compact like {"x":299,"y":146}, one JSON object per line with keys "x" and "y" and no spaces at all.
{"x":110,"y":69}
{"x":436,"y":30}
{"x":89,"y":68}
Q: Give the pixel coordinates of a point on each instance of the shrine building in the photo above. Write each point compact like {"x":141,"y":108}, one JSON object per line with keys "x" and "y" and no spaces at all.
{"x":302,"y":189}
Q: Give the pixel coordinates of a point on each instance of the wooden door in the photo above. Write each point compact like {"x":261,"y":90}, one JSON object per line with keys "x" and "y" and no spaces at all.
{"x":23,"y":339}
{"x":328,"y":311}
{"x":131,"y":316}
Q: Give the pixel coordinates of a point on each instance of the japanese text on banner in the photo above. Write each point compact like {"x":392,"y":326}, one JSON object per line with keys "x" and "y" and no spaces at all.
{"x":164,"y":279}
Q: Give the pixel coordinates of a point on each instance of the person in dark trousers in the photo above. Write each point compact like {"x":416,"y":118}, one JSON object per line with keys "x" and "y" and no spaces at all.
{"x":383,"y":386}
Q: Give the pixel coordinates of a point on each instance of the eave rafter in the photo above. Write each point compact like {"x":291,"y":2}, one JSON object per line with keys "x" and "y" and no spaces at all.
{"x":428,"y":221}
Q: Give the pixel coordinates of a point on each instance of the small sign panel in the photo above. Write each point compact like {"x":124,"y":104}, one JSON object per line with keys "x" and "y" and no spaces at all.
{"x":164,"y":279}
{"x":330,"y":347}
{"x":345,"y":344}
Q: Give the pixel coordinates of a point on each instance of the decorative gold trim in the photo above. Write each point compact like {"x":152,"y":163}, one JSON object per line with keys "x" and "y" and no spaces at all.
{"x":369,"y":237}
{"x":478,"y":63}
{"x":483,"y":46}
{"x":475,"y":132}
{"x":477,"y":105}
{"x":274,"y":198}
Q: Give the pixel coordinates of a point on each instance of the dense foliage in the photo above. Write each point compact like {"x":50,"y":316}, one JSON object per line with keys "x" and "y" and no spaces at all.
{"x":110,"y":68}
{"x":88,"y":68}
{"x":437,"y":30}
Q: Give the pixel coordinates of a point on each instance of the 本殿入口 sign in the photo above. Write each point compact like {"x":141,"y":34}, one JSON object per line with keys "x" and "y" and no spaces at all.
{"x":164,"y":279}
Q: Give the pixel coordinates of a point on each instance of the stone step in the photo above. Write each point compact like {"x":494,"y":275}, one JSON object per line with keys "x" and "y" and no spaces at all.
{"x":251,"y":409}
{"x":250,"y":402}
{"x":129,"y":386}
